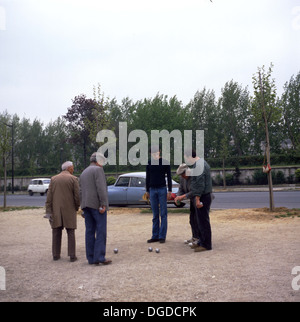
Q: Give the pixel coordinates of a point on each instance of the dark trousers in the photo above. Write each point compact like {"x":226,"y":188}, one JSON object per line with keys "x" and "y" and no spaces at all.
{"x":204,"y":227}
{"x":56,"y":242}
{"x":193,"y":219}
{"x":95,"y":235}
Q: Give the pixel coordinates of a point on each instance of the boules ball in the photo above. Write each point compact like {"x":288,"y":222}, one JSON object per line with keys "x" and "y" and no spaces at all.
{"x":150,"y":249}
{"x":116,"y":250}
{"x":157,"y":250}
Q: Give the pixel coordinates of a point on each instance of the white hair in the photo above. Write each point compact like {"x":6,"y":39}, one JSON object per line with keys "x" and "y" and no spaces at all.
{"x":66,"y":165}
{"x":98,"y":157}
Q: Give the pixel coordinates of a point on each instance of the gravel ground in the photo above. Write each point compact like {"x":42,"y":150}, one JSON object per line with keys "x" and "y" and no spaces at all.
{"x":252,"y":259}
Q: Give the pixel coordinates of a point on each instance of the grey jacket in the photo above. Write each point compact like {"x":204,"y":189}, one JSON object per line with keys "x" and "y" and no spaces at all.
{"x":184,"y":187}
{"x":93,"y":188}
{"x":202,"y":184}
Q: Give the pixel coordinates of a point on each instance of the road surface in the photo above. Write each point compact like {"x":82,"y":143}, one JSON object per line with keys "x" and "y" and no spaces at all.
{"x":223,"y":200}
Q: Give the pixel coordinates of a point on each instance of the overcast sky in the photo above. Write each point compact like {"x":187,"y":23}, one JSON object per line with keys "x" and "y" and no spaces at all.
{"x":54,"y":50}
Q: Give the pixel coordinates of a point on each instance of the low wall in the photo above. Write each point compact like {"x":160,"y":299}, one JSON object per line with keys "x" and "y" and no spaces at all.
{"x":245,"y":175}
{"x":248,"y":173}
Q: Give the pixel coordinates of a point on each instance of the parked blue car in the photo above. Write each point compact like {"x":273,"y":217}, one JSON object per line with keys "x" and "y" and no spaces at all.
{"x":130,"y":188}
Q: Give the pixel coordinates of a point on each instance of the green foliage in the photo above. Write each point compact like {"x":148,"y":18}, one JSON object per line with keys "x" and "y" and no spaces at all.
{"x":232,"y":124}
{"x":290,"y":106}
{"x":110,"y":180}
{"x":176,"y":178}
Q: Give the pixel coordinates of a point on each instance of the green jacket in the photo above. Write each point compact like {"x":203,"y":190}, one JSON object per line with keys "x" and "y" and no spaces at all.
{"x":202,"y":184}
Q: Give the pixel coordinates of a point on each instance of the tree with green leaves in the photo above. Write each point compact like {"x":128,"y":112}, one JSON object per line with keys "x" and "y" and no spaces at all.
{"x":205,"y":115}
{"x":234,"y":103}
{"x":290,"y":106}
{"x":79,"y":117}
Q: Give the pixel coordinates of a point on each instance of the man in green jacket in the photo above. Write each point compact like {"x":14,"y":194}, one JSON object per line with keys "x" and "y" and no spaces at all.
{"x":201,"y":189}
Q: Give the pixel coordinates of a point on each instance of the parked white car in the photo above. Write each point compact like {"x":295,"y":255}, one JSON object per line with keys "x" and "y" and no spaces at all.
{"x":39,"y":185}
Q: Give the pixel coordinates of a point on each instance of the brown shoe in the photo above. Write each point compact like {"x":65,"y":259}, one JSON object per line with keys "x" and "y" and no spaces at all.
{"x":106,"y":262}
{"x":194,"y":246}
{"x":200,"y":249}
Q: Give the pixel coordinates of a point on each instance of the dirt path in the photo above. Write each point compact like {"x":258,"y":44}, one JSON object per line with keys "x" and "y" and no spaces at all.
{"x":252,"y":259}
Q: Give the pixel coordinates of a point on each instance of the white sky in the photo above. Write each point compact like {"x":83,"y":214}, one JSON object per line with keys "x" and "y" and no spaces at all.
{"x":54,"y":50}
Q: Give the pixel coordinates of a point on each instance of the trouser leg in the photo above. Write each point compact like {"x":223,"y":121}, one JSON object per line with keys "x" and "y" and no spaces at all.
{"x":193,"y":220}
{"x":90,"y":231}
{"x":101,"y":234}
{"x":204,"y":222}
{"x":71,"y":243}
{"x":56,"y":242}
{"x":155,"y":210}
{"x":162,"y":196}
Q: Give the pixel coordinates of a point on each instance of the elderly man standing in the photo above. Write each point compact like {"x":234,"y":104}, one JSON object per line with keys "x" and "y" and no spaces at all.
{"x":201,"y":190}
{"x":184,"y":189}
{"x":94,"y":203}
{"x":61,"y":207}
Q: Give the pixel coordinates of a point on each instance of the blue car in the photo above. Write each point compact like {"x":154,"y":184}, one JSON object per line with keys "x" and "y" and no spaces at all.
{"x":130,"y":188}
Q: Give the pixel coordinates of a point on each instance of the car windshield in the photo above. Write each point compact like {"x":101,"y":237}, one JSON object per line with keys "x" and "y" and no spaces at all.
{"x":123,"y":182}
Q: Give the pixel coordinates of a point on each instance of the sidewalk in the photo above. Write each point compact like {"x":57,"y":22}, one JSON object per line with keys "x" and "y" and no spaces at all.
{"x":283,"y":187}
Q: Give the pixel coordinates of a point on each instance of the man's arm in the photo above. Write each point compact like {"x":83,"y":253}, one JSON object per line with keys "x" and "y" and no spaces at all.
{"x":147,"y":178}
{"x":168,"y":170}
{"x":49,"y":208}
{"x":76,"y":194}
{"x":101,"y":187}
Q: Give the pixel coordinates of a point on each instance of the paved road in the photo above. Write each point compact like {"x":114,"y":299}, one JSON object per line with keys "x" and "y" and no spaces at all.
{"x":223,"y":200}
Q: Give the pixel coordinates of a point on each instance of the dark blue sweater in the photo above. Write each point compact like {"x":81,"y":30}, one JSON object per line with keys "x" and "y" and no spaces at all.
{"x":156,"y":173}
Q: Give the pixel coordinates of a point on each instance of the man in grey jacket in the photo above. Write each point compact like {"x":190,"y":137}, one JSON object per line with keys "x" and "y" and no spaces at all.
{"x":94,"y":203}
{"x":184,"y":189}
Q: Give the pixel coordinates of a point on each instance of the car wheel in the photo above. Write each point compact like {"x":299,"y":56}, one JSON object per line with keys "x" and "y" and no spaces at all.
{"x":30,"y":193}
{"x":42,"y":193}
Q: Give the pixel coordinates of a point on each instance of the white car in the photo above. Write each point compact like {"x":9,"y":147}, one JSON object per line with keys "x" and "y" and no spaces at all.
{"x":39,"y":185}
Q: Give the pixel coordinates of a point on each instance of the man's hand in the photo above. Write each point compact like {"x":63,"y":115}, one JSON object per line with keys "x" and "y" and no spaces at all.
{"x":169,"y":195}
{"x":178,"y":199}
{"x":102,"y":209}
{"x":199,"y":204}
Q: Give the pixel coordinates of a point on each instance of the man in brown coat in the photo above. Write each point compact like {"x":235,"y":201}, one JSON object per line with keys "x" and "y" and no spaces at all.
{"x":61,"y":206}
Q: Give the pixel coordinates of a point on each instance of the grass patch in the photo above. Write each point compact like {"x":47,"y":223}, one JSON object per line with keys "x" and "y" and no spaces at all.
{"x":170,"y":211}
{"x":16,"y":208}
{"x":295,"y":212}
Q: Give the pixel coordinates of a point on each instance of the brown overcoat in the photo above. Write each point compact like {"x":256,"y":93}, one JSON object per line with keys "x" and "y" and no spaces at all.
{"x":63,"y":200}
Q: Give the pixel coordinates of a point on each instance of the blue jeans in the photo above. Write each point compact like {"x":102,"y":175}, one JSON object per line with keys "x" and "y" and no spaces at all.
{"x":158,"y":199}
{"x":95,"y":235}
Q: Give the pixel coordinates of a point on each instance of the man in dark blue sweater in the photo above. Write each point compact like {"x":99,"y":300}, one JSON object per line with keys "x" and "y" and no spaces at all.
{"x":156,"y":172}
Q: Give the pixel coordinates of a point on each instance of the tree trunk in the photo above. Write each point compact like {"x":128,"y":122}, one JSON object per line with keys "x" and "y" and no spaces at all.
{"x":271,"y":196}
{"x":5,"y":183}
{"x":224,"y":175}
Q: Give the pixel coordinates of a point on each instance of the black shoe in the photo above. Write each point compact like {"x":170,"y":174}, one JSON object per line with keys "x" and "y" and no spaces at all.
{"x":162,"y":241}
{"x":73,"y":259}
{"x":152,"y":240}
{"x":56,"y":258}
